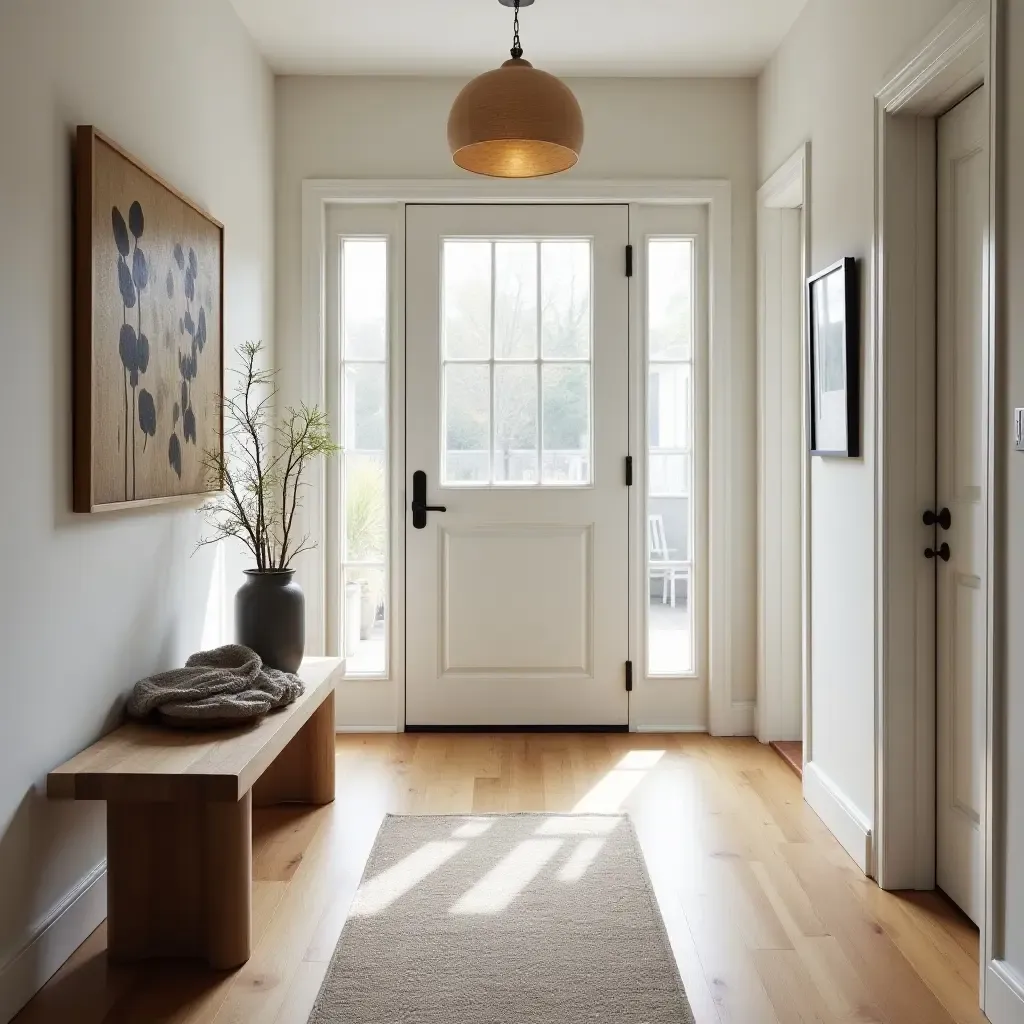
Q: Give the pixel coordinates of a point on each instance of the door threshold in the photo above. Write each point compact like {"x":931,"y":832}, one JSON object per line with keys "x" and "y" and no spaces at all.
{"x":517,"y":728}
{"x":792,"y":752}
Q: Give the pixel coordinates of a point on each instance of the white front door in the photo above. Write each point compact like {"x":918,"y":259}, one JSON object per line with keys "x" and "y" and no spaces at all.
{"x":517,"y":417}
{"x":963,"y":412}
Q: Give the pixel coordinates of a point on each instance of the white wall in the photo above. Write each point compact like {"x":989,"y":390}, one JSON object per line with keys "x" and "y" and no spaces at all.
{"x":635,"y":129}
{"x":89,"y":604}
{"x":820,"y":86}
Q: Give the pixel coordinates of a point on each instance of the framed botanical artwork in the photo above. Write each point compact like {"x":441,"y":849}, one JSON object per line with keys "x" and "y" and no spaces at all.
{"x":148,"y":334}
{"x":833,"y":361}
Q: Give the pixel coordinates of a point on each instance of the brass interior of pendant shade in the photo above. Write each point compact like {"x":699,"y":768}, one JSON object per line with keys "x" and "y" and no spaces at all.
{"x":516,"y":122}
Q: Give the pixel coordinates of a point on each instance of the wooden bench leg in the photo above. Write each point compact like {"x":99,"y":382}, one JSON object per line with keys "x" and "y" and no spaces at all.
{"x":304,"y":771}
{"x":179,"y":881}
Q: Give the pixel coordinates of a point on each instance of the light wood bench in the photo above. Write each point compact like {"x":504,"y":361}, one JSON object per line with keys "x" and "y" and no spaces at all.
{"x":179,"y":819}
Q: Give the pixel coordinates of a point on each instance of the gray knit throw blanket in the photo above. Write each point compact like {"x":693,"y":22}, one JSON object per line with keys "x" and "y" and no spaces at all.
{"x":227,"y":685}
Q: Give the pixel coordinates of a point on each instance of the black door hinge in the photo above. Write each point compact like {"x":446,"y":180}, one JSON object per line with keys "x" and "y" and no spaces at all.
{"x":629,"y":261}
{"x":629,"y":470}
{"x":629,"y":677}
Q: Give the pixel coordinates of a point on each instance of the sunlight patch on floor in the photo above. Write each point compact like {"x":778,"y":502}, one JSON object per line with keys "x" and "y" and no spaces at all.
{"x":380,"y":892}
{"x":581,"y":858}
{"x":508,"y":878}
{"x":612,"y":791}
{"x":578,"y":825}
{"x":473,"y":828}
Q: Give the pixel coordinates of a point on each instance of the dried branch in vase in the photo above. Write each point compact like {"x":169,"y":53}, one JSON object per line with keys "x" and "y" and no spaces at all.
{"x":262,"y":465}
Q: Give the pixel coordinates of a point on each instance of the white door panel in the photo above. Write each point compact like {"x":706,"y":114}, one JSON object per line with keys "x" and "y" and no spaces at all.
{"x":517,"y":411}
{"x":963,"y":413}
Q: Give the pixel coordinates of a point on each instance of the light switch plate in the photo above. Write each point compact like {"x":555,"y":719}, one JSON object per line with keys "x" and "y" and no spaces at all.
{"x":1018,"y":429}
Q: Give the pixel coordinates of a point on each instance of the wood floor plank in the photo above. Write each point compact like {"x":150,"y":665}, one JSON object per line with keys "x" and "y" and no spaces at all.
{"x":769,"y":919}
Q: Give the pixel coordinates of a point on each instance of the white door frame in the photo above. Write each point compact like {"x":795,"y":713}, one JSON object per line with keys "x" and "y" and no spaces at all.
{"x":783,"y":587}
{"x":960,"y":56}
{"x":732,"y":520}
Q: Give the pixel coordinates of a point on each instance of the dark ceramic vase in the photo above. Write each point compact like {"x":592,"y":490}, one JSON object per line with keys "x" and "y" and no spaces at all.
{"x":270,"y":617}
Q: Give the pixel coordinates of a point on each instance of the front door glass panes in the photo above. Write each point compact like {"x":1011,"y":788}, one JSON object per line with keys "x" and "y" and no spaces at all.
{"x":364,"y":385}
{"x":516,"y":350}
{"x":670,"y":472}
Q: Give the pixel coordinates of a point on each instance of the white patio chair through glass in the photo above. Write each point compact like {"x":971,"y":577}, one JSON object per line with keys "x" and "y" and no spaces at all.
{"x":661,"y":565}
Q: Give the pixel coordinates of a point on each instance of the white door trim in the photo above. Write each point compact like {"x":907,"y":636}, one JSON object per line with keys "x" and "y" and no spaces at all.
{"x":959,"y":56}
{"x":783,"y":595}
{"x":731,"y":519}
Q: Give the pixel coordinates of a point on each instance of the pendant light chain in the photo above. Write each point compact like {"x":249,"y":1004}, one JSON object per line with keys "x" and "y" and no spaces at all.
{"x":517,"y":49}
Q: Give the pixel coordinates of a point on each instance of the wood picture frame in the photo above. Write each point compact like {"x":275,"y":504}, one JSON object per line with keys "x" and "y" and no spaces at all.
{"x":833,"y":361}
{"x":148,"y":360}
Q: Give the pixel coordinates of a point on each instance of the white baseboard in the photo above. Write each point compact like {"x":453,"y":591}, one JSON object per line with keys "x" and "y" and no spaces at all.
{"x":365,"y":728}
{"x":839,"y":814}
{"x":1004,"y":994}
{"x":52,"y":941}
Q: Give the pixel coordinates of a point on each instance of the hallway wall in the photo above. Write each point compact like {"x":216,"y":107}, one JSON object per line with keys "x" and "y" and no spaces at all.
{"x":89,"y":604}
{"x":820,"y":86}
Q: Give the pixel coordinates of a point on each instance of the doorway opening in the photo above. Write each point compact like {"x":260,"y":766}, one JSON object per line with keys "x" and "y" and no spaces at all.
{"x":783,"y":677}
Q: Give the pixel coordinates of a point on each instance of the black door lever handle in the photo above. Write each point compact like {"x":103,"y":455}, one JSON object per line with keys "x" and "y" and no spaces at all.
{"x":944,"y":553}
{"x":419,"y":505}
{"x":943,"y":519}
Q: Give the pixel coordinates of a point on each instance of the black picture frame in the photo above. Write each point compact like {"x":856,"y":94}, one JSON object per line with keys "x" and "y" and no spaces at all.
{"x":833,"y":425}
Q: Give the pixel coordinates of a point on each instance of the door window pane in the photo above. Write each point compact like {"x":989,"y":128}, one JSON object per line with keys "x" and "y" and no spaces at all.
{"x":366,"y":510}
{"x":364,"y":298}
{"x":467,"y":423}
{"x":467,"y":300}
{"x":363,"y":463}
{"x":566,"y":413}
{"x":364,"y":606}
{"x":495,"y":401}
{"x":565,"y":299}
{"x":670,"y":519}
{"x":668,"y":407}
{"x":670,"y":298}
{"x":366,"y":407}
{"x":515,"y":300}
{"x":515,"y":423}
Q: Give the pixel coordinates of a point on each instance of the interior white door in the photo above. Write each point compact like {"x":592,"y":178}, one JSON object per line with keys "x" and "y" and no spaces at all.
{"x":517,"y":413}
{"x":963,"y":415}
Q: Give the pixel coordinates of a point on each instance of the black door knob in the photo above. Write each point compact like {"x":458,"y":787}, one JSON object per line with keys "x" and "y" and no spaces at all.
{"x":943,"y":552}
{"x":943,"y":519}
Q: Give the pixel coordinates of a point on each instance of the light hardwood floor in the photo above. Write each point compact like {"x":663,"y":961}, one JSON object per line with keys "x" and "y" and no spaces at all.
{"x":770,"y":921}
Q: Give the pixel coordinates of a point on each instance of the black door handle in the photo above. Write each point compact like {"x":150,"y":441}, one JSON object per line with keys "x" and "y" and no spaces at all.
{"x":943,"y":519}
{"x":419,"y":505}
{"x":944,"y":553}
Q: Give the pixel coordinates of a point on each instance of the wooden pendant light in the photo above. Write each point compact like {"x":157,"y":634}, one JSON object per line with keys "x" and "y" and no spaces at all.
{"x":516,"y":122}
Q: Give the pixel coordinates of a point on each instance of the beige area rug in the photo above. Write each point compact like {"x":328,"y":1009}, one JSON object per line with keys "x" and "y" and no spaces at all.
{"x":505,"y":919}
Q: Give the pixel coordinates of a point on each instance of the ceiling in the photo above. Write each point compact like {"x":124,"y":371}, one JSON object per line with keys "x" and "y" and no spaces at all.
{"x":569,"y":37}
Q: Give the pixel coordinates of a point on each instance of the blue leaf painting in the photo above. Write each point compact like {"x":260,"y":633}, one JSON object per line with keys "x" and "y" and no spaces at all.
{"x":128,"y":347}
{"x":193,"y":263}
{"x":125,"y":283}
{"x":142,"y":353}
{"x":140,"y":269}
{"x":188,"y":425}
{"x":184,"y":394}
{"x":120,"y":232}
{"x":135,"y":219}
{"x":190,"y":285}
{"x":179,"y":256}
{"x":174,"y":454}
{"x":200,"y":335}
{"x":170,"y":285}
{"x":147,"y":414}
{"x":177,"y":413}
{"x":189,"y":326}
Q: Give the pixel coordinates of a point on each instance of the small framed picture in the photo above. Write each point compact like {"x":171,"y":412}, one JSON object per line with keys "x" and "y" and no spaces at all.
{"x":833,"y":361}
